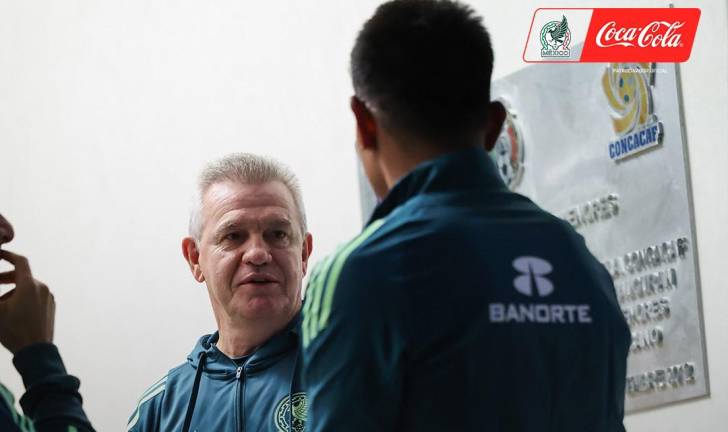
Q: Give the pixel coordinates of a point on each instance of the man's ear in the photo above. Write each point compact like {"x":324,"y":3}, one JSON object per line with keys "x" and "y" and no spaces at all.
{"x":366,"y":124}
{"x":192,"y":256}
{"x":494,"y":124}
{"x":306,"y":252}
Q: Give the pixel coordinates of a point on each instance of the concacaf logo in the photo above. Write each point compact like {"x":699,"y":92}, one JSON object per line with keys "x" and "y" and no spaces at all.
{"x":555,"y":38}
{"x":284,"y":416}
{"x":628,"y":88}
{"x":508,"y":152}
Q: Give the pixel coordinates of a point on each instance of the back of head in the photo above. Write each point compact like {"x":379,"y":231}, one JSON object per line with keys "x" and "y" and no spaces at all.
{"x":424,"y":67}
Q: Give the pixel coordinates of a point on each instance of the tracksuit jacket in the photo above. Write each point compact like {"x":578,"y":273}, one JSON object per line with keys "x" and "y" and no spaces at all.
{"x":463,"y":307}
{"x":51,"y":402}
{"x":211,"y":392}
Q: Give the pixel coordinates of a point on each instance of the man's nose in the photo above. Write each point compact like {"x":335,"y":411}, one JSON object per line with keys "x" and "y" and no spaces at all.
{"x":257,"y":253}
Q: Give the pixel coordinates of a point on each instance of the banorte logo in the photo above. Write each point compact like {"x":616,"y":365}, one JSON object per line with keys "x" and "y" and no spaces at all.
{"x":533,"y":280}
{"x":620,"y":35}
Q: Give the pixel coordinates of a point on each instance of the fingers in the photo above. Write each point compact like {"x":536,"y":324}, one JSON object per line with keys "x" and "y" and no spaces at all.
{"x":20,"y":276}
{"x":43,"y":289}
{"x":6,"y":230}
{"x":22,"y":267}
{"x":7,"y":277}
{"x":52,"y":316}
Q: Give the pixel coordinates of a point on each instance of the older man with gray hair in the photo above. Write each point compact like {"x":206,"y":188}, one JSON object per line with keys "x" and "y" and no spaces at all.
{"x":249,"y":244}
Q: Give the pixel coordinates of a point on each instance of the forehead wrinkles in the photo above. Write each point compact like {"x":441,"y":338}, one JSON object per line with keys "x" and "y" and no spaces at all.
{"x":262,"y":218}
{"x":246,"y":202}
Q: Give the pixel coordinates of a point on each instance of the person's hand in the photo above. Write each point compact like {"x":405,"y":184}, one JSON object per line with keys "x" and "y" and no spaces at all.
{"x":27,"y":313}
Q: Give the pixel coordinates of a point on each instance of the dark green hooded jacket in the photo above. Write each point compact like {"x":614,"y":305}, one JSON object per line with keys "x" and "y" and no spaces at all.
{"x":463,"y":307}
{"x":211,"y":392}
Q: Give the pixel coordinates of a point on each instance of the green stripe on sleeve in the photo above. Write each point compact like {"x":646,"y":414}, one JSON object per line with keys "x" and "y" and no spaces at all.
{"x":314,"y":304}
{"x":338,"y":266}
{"x":323,"y":283}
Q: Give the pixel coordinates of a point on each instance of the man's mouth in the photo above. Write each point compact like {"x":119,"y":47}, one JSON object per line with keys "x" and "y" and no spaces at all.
{"x":258,"y":279}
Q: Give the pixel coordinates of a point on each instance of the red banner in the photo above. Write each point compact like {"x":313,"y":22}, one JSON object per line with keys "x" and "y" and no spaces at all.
{"x":640,"y":35}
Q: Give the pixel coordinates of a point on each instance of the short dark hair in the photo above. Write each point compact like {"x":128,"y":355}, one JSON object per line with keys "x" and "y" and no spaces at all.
{"x":424,"y":66}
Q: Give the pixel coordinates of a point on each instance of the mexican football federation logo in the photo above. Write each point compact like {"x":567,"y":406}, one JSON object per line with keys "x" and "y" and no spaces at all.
{"x":508,"y":152}
{"x":284,"y":415}
{"x":555,"y":39}
{"x":628,"y":89}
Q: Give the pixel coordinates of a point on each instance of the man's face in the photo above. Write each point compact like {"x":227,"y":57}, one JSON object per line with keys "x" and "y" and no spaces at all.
{"x":252,"y":255}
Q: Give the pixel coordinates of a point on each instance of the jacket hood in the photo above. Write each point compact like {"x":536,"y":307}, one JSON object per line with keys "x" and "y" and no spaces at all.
{"x":217,"y":363}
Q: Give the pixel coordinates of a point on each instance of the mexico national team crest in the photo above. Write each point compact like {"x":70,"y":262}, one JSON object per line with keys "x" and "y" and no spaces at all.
{"x":555,"y":39}
{"x":284,"y":416}
{"x":628,"y":88}
{"x":508,"y":152}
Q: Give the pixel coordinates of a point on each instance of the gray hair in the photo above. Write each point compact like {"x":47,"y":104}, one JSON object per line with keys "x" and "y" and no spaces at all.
{"x":245,"y":168}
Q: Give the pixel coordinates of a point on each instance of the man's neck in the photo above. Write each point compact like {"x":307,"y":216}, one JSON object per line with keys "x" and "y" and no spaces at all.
{"x":238,"y":339}
{"x":401,"y":159}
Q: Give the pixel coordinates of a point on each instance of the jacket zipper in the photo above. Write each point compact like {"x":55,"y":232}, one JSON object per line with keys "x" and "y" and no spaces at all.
{"x":240,"y":399}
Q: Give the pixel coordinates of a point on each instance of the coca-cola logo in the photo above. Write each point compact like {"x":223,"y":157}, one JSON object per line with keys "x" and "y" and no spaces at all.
{"x":614,"y":35}
{"x":655,"y":34}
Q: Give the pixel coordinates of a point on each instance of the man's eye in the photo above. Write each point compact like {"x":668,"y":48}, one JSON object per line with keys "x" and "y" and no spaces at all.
{"x":280,"y":235}
{"x":232,"y":237}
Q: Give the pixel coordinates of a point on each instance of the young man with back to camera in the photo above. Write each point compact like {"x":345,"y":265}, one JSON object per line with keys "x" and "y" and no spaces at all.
{"x":461,"y":306}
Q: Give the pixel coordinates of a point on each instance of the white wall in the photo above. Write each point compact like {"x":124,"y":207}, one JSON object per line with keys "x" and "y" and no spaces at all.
{"x":108,"y":109}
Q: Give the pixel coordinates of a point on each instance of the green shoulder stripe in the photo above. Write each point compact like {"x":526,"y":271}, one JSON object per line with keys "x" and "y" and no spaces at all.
{"x":313,"y":297}
{"x":318,"y":311}
{"x":152,"y":391}
{"x":152,"y":388}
